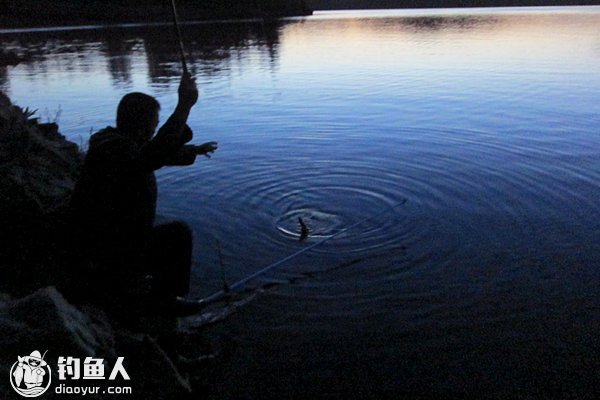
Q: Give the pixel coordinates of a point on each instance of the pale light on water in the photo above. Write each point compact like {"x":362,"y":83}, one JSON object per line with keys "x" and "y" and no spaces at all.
{"x":486,"y":121}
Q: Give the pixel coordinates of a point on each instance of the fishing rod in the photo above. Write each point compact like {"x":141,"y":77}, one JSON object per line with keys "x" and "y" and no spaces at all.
{"x":178,"y":30}
{"x":225,"y":291}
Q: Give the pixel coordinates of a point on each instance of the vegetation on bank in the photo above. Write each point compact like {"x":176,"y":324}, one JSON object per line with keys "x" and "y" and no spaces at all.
{"x":32,"y":13}
{"x":38,"y":168}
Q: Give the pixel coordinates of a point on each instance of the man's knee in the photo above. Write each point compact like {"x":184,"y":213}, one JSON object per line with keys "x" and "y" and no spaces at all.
{"x":177,"y":231}
{"x":182,"y":230}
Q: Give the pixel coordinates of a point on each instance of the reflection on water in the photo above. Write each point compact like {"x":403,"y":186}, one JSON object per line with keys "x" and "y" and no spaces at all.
{"x":437,"y":23}
{"x":484,"y":283}
{"x":210,"y":46}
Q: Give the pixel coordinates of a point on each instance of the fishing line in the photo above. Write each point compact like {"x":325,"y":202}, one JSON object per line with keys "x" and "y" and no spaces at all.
{"x":222,"y":293}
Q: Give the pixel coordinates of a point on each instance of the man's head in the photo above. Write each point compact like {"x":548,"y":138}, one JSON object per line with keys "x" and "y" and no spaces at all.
{"x":137,"y":115}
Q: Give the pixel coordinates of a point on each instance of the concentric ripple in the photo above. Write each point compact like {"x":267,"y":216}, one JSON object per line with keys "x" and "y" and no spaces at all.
{"x":319,"y":224}
{"x":463,"y":188}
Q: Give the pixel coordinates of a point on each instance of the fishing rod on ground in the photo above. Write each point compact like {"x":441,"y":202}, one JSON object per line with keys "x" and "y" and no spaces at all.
{"x":223,"y":293}
{"x":179,"y":39}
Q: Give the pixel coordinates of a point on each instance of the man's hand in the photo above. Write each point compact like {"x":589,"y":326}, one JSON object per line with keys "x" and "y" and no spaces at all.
{"x":206,"y":148}
{"x":188,"y":91}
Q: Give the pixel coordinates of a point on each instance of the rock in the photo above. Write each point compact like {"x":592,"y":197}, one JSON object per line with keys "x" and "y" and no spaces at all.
{"x":4,"y":298}
{"x":153,"y":374}
{"x":44,"y":321}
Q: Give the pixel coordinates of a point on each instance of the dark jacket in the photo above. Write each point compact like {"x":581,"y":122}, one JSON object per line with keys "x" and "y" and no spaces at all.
{"x":114,"y":202}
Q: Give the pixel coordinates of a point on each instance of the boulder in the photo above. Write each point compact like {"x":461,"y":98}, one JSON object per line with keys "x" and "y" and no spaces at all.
{"x":44,"y":321}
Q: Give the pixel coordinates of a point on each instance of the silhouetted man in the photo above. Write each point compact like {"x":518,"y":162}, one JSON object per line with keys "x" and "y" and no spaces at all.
{"x":114,"y":206}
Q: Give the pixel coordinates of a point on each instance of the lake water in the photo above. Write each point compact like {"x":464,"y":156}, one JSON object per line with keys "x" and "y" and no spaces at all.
{"x":483,"y":284}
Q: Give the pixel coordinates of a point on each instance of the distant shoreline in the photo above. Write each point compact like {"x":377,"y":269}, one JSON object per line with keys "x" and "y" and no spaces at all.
{"x":69,"y":13}
{"x":325,"y":5}
{"x":42,"y":14}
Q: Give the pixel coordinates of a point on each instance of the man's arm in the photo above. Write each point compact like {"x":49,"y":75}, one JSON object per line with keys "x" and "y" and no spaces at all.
{"x":188,"y":96}
{"x":168,"y":142}
{"x":187,"y":153}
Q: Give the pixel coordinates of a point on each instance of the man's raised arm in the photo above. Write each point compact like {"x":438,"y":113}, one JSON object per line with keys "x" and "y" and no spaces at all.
{"x":167,"y":144}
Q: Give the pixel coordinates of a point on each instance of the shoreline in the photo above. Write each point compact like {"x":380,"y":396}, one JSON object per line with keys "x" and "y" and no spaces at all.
{"x":73,"y":25}
{"x":31,"y":14}
{"x":336,"y":5}
{"x":413,"y":11}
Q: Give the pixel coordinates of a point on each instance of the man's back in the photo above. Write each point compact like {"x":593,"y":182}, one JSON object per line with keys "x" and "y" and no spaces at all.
{"x":115,"y":199}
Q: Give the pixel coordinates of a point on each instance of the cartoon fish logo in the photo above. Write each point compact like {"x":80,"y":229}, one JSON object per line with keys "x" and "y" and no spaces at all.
{"x":30,"y":376}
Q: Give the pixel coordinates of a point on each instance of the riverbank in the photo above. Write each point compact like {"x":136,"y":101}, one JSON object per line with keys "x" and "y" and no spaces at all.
{"x":30,"y":13}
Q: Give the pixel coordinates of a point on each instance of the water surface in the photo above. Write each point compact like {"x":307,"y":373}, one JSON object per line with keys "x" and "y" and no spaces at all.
{"x":485,"y":283}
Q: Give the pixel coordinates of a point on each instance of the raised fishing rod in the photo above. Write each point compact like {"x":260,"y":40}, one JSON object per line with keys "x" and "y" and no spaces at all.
{"x":225,"y":291}
{"x":179,"y":39}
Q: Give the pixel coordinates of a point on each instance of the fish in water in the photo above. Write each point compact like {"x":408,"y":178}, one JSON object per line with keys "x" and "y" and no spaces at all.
{"x":303,"y":229}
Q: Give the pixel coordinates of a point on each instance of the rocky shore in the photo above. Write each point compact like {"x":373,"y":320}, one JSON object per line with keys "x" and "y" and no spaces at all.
{"x":30,"y":13}
{"x":44,"y":320}
{"x":39,"y":168}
